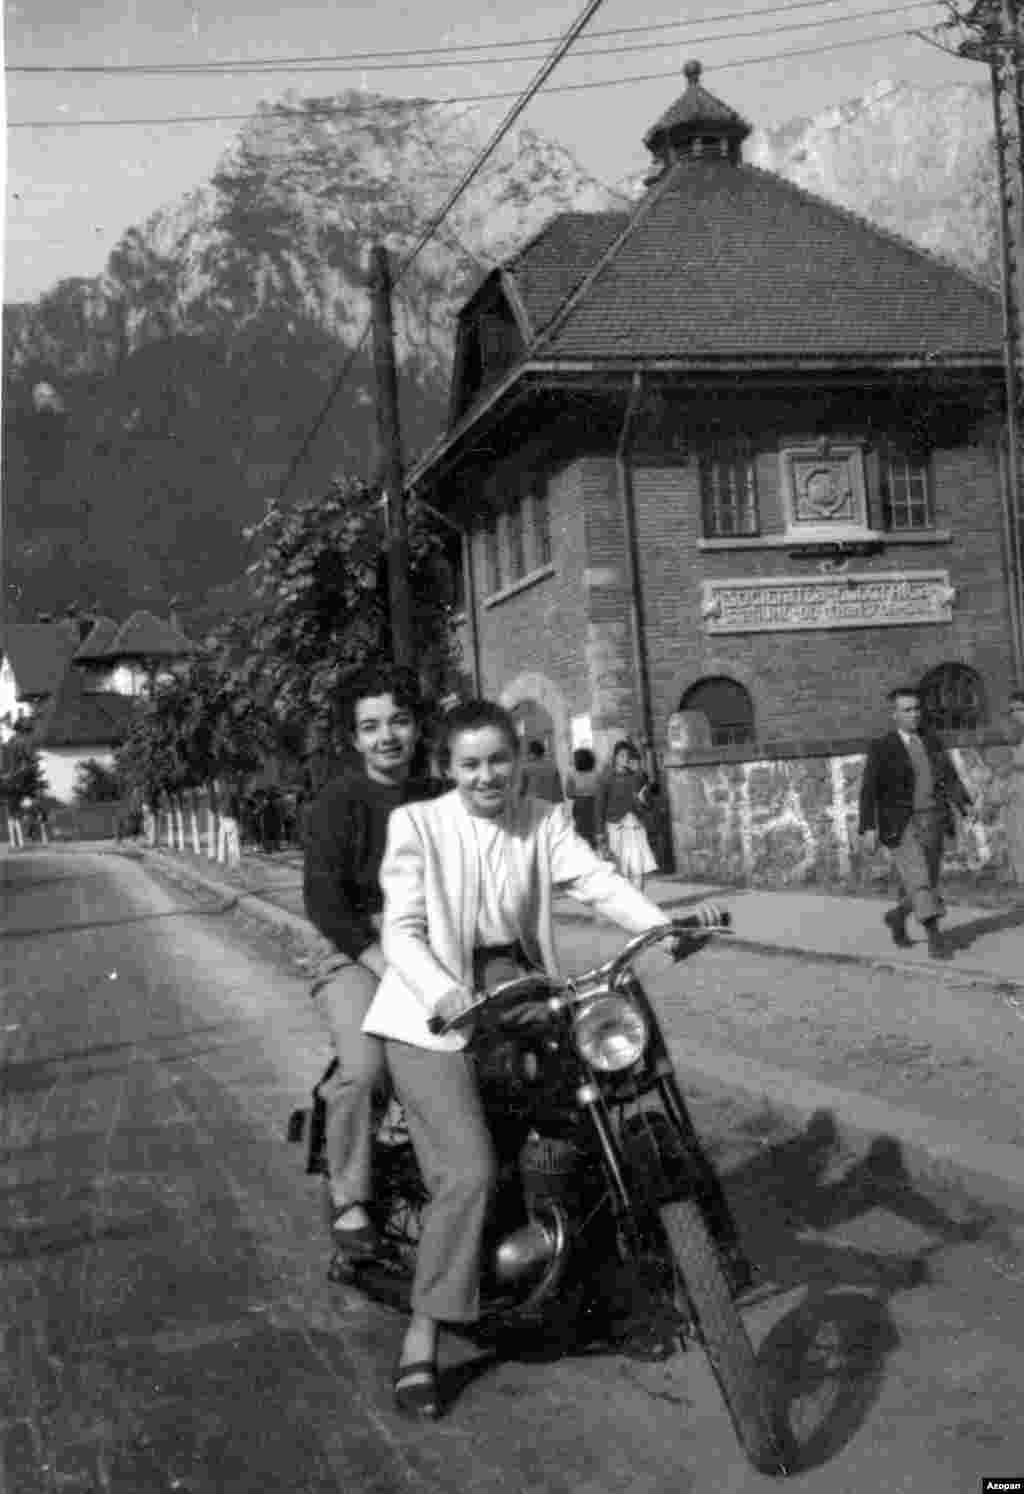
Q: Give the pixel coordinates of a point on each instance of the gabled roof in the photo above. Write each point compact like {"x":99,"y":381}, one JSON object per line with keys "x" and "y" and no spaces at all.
{"x":723,"y":261}
{"x":39,"y":654}
{"x":77,"y":718}
{"x":100,"y":636}
{"x":551,"y":264}
{"x":145,"y":636}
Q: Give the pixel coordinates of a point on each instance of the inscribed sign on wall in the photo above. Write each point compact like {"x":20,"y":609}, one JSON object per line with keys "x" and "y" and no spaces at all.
{"x":790,"y":603}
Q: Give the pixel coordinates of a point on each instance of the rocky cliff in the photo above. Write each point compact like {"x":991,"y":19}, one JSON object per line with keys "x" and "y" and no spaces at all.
{"x":151,"y":412}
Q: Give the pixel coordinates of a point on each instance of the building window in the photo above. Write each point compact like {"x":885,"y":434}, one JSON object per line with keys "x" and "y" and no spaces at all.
{"x":905,"y":480}
{"x":492,"y":556}
{"x":726,"y":706}
{"x":728,"y":486}
{"x":515,"y":548}
{"x":953,"y":699}
{"x":540,"y":523}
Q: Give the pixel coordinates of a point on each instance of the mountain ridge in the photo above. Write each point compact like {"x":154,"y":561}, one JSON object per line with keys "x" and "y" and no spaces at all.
{"x":186,"y":374}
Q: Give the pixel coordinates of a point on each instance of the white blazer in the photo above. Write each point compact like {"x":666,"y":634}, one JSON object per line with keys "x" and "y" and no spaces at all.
{"x":430,"y":876}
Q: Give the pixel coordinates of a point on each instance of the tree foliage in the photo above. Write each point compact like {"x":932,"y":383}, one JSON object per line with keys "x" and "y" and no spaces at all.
{"x":21,"y":773}
{"x":197,"y":728}
{"x":96,"y":783}
{"x":322,"y":608}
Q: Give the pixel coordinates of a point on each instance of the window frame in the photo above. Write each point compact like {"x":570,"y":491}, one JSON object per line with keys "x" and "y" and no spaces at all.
{"x":916,"y":460}
{"x":951,"y":672}
{"x":736,"y":457}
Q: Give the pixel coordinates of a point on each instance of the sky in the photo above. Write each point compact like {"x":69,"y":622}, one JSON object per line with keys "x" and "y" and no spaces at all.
{"x":72,"y":190}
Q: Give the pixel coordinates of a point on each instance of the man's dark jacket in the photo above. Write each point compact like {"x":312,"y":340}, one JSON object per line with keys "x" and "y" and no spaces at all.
{"x":887,"y":788}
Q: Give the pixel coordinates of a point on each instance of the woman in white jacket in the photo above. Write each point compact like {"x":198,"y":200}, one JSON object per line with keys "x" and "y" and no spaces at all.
{"x":468,"y":882}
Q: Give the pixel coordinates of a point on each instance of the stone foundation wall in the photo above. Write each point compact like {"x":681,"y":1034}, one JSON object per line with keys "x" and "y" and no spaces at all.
{"x":789,"y":818}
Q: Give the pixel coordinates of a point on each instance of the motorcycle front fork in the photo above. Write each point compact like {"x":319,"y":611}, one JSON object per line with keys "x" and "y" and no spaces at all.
{"x":707,"y":1188}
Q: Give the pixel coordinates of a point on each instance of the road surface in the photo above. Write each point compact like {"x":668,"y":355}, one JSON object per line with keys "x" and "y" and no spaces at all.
{"x":167,"y":1324}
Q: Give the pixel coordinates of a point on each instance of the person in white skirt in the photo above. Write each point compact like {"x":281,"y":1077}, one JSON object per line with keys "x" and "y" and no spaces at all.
{"x":622,"y":795}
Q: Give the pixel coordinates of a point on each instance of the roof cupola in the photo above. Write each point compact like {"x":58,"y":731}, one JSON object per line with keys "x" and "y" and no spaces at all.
{"x":697,"y":127}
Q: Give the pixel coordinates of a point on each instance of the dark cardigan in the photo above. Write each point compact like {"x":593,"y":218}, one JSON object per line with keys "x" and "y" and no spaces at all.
{"x":346,"y":833}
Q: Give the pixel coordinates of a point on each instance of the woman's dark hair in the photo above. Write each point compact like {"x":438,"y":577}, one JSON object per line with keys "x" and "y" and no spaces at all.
{"x":401,"y":684}
{"x":583,"y":760}
{"x":473,"y":715}
{"x":625,"y":745}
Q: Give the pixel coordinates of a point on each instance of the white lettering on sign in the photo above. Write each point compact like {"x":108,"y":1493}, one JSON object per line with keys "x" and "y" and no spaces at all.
{"x":788,"y":603}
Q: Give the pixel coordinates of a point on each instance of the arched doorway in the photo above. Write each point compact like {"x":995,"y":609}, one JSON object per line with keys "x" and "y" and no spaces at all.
{"x":535,"y":724}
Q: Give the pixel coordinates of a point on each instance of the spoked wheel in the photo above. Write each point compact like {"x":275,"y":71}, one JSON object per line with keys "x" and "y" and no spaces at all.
{"x":722,"y":1333}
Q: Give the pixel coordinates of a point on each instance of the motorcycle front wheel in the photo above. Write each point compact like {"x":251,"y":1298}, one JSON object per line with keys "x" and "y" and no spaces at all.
{"x":721,"y":1331}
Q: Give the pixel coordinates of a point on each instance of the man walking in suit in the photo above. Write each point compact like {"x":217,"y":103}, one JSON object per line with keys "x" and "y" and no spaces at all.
{"x":908,"y":793}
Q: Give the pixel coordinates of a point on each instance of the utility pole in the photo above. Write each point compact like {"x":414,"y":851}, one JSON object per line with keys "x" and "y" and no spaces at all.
{"x":996,"y":36}
{"x":389,"y":456}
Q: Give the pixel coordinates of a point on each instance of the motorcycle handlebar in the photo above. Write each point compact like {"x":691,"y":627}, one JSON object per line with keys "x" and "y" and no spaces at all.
{"x":706,"y":919}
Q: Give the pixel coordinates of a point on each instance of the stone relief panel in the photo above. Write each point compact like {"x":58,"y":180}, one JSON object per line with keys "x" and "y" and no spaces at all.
{"x":824,"y":488}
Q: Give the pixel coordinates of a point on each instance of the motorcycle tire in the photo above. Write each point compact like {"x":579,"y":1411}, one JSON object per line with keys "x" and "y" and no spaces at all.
{"x":721,"y":1331}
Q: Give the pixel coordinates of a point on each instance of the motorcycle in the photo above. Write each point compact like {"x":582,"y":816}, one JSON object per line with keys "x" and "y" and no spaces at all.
{"x":608,"y":1221}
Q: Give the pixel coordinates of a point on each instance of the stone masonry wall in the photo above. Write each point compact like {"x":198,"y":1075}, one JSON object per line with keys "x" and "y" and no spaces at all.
{"x":793,"y":821}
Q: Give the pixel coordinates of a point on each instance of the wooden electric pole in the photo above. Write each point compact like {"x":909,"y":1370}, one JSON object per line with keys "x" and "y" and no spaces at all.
{"x":995,"y":35}
{"x":389,"y":438}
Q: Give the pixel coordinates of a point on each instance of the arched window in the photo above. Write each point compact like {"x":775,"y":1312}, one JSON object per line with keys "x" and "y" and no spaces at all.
{"x":953,"y":698}
{"x":726,"y":705}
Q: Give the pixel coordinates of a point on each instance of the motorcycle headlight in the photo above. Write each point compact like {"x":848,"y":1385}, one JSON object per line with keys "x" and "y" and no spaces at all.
{"x":611,"y":1033}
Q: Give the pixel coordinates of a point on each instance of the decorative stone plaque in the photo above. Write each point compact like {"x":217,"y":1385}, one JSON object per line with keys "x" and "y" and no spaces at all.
{"x":824,"y":487}
{"x":786,"y":604}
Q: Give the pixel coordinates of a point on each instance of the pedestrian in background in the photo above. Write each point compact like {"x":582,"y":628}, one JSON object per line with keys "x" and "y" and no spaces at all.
{"x":623,"y":792}
{"x":539,"y":776}
{"x":581,"y":791}
{"x":908,"y":794}
{"x":1015,"y":800}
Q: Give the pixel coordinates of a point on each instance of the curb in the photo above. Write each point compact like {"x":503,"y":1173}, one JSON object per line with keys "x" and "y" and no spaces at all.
{"x":992,"y":1172}
{"x":952,"y":974}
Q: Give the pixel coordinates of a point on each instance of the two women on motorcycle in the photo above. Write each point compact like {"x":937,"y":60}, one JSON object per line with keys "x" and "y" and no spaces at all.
{"x":469,"y":879}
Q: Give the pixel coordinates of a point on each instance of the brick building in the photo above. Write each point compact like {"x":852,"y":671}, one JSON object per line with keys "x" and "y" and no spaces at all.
{"x":735,"y":453}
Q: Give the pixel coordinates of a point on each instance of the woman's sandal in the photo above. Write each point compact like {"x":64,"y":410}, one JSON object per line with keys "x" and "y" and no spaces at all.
{"x":360,"y":1242}
{"x":416,"y":1390}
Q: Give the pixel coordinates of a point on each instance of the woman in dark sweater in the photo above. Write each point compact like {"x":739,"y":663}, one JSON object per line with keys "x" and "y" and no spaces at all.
{"x":346,"y":831}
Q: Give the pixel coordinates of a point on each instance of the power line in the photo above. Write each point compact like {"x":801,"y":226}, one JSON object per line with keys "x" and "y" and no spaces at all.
{"x":522,"y":102}
{"x":414,"y":59}
{"x":284,"y":115}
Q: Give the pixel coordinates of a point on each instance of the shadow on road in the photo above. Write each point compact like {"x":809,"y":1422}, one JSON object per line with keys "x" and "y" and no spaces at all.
{"x":963,"y":935}
{"x":824,"y":1362}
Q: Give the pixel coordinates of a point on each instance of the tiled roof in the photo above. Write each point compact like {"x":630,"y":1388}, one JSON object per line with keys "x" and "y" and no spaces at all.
{"x":76,"y":718}
{"x":100,"y":636}
{"x":39,"y":654}
{"x":145,"y":636}
{"x":726,"y":261}
{"x":549,"y":267}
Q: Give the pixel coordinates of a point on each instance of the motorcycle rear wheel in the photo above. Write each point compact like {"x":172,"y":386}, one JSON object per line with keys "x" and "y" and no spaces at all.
{"x":721,"y":1331}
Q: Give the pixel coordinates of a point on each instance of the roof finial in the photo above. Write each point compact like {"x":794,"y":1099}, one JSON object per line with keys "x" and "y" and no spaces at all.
{"x":692,"y":72}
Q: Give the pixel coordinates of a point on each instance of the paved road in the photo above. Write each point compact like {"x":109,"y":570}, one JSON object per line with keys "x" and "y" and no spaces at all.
{"x":167,"y":1325}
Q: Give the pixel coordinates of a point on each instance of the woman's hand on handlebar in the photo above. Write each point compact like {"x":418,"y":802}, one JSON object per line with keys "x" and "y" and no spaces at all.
{"x":452,"y":1004}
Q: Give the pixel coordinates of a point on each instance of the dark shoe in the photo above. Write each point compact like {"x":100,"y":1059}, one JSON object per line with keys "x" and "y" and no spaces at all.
{"x":360,"y":1242}
{"x":741,"y":1274}
{"x":416,"y":1390}
{"x":937,"y":946}
{"x":896,"y":922}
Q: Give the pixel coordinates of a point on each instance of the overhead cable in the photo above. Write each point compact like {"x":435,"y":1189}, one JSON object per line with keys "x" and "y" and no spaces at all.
{"x":413,"y":59}
{"x":286,"y":114}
